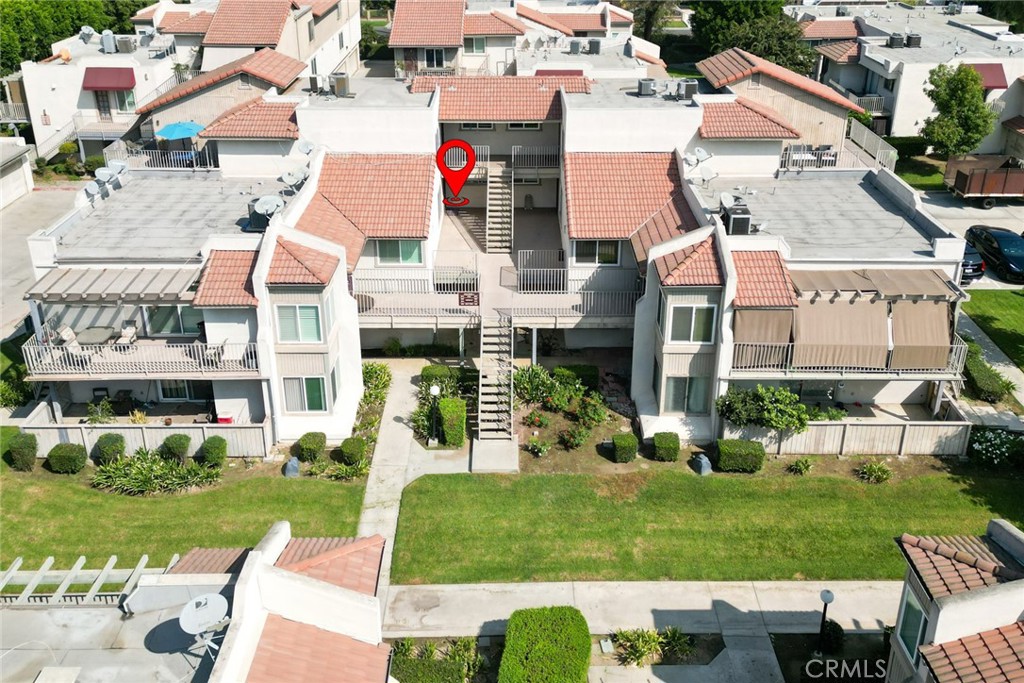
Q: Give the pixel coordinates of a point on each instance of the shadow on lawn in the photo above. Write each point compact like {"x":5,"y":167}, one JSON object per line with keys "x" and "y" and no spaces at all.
{"x":997,"y":491}
{"x":1010,"y":341}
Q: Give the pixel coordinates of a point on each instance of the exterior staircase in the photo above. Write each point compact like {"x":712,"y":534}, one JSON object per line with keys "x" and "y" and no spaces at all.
{"x":494,"y":404}
{"x":499,"y":210}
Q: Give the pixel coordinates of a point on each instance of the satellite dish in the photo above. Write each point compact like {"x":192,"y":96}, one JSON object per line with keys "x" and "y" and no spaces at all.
{"x":701,"y":153}
{"x":118,"y":166}
{"x":305,"y":146}
{"x":104,"y":174}
{"x":727,"y":200}
{"x":291,"y":178}
{"x":268,"y":205}
{"x":690,"y":160}
{"x":202,"y":613}
{"x":92,"y":189}
{"x":149,"y":31}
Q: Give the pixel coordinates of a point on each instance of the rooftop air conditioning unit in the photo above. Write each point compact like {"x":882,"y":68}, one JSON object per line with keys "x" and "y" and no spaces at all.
{"x":86,"y":33}
{"x":595,"y":46}
{"x":258,"y":222}
{"x":339,"y":84}
{"x":127,"y":44}
{"x":314,"y":84}
{"x":913,"y":40}
{"x":737,"y":220}
{"x":896,"y":40}
{"x":686,"y":89}
{"x":842,"y":11}
{"x":574,"y":47}
{"x":108,"y":43}
{"x":645,"y":87}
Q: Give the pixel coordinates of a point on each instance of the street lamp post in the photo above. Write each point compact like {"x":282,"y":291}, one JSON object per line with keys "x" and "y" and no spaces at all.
{"x":435,"y":391}
{"x":826,"y":599}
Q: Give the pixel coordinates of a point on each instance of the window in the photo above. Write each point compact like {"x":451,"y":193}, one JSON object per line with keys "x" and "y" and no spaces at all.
{"x":597,"y":252}
{"x":341,"y":39}
{"x":244,"y":81}
{"x":657,"y":382}
{"x":474,"y":46}
{"x":334,"y":385}
{"x":913,"y":624}
{"x":399,"y":252}
{"x":473,"y":125}
{"x":692,"y":324}
{"x":299,"y":324}
{"x":435,"y":58}
{"x":524,"y":125}
{"x":125,"y":100}
{"x":312,"y":66}
{"x":755,"y":80}
{"x":686,"y":394}
{"x":328,"y":312}
{"x":174,"y":390}
{"x":312,"y":30}
{"x":304,"y":395}
{"x":889,"y":84}
{"x":527,"y":181}
{"x":170,"y":320}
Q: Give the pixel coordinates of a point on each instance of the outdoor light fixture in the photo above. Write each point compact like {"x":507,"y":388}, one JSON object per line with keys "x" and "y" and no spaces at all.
{"x":435,"y":391}
{"x":827,"y":597}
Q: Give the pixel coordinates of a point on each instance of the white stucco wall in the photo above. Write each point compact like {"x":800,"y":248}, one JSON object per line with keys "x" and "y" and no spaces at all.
{"x":257,"y":158}
{"x":216,"y":55}
{"x":241,"y":400}
{"x":654,"y":129}
{"x":501,"y":140}
{"x":739,"y":158}
{"x":16,"y":178}
{"x":370,"y":130}
{"x":978,"y":610}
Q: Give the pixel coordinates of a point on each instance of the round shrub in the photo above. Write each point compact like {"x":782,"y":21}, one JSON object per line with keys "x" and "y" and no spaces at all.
{"x":353,"y":449}
{"x":109,"y":447}
{"x":24,"y":449}
{"x":435,"y":374}
{"x":67,"y":458}
{"x":175,"y":447}
{"x":590,"y":412}
{"x":574,"y":438}
{"x":666,"y":446}
{"x":214,"y":451}
{"x":625,"y":446}
{"x":310,"y":446}
{"x":874,"y":472}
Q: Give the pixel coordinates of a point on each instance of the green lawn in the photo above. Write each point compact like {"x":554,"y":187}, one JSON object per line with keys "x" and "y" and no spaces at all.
{"x":920,"y":173}
{"x":10,"y":354}
{"x":683,"y":71}
{"x":1000,"y":313}
{"x":48,"y":514}
{"x":675,"y":525}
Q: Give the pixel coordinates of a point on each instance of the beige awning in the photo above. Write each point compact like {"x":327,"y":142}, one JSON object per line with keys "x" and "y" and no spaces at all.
{"x":114,"y":285}
{"x":890,"y":283}
{"x":921,"y":337}
{"x":767,"y":331}
{"x":841,"y":334}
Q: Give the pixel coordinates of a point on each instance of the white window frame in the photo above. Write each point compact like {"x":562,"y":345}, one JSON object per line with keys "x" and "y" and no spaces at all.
{"x":341,"y":33}
{"x":686,"y":396}
{"x":165,"y":335}
{"x":189,"y":396}
{"x":479,"y":44}
{"x":428,"y":51}
{"x":476,"y":125}
{"x":129,"y":103}
{"x":244,"y":81}
{"x":328,"y":322}
{"x":526,"y":181}
{"x":693,"y":315}
{"x":399,"y":264}
{"x":908,"y":592}
{"x":298,"y":325}
{"x":334,"y":385}
{"x":523,"y":125}
{"x":305,"y":400}
{"x":755,"y":81}
{"x":596,"y":263}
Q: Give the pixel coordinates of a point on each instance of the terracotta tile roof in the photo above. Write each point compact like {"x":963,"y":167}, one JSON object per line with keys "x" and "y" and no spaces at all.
{"x":320,"y":7}
{"x":290,"y":651}
{"x":145,"y":14}
{"x":198,"y":23}
{"x":211,"y":561}
{"x":995,"y":656}
{"x":226,"y":279}
{"x":618,"y":15}
{"x":352,"y":563}
{"x":580,"y":21}
{"x":612,"y":195}
{"x":493,"y":24}
{"x":762,"y":280}
{"x":842,"y":52}
{"x":548,"y":20}
{"x":248,"y":22}
{"x":831,"y":29}
{"x":323,"y":219}
{"x":297,"y":264}
{"x":672,"y":220}
{"x":267,"y":65}
{"x":430,"y":23}
{"x":171,"y":18}
{"x":744,"y":119}
{"x":947,"y":565}
{"x":256,"y":119}
{"x":1016,"y":124}
{"x":693,"y":266}
{"x":499,"y":98}
{"x":650,"y":59}
{"x":735,"y":64}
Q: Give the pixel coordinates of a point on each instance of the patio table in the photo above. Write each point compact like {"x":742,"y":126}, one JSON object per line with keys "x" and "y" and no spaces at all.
{"x":95,"y":335}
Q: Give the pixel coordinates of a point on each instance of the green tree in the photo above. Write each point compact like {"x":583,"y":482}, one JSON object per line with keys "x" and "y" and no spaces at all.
{"x":777,"y":38}
{"x":711,"y":18}
{"x":964,"y":119}
{"x":1010,"y":12}
{"x":649,"y":15}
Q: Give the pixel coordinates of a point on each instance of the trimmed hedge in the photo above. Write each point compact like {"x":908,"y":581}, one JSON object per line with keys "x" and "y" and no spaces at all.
{"x":626,"y":446}
{"x":910,"y":146}
{"x":546,"y":645}
{"x":453,"y":421}
{"x":353,"y":449}
{"x":435,"y":373}
{"x":408,"y":670}
{"x":737,"y":455}
{"x":588,"y":375}
{"x":109,"y":447}
{"x":215,"y":451}
{"x":666,"y":446}
{"x":983,"y":380}
{"x":310,"y":446}
{"x":175,"y":447}
{"x":24,"y":449}
{"x":67,"y":458}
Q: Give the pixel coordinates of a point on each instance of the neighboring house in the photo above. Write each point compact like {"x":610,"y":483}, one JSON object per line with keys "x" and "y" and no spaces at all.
{"x":883,"y":56}
{"x":186,"y":23}
{"x":257,"y":137}
{"x":445,"y":38}
{"x":961,"y":616}
{"x":15,"y":170}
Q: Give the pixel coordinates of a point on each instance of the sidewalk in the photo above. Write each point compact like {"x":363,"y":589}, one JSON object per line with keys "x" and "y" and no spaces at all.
{"x":1001,"y":362}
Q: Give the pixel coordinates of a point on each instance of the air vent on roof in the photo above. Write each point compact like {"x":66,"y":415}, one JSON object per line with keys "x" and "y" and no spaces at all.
{"x":126,"y":44}
{"x":595,"y":46}
{"x":574,"y":47}
{"x":86,"y":33}
{"x":896,"y":40}
{"x":645,"y":87}
{"x":108,"y":44}
{"x":913,"y":40}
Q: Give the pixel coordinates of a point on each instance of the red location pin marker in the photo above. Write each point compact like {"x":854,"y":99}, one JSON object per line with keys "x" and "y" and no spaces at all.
{"x":456,"y":178}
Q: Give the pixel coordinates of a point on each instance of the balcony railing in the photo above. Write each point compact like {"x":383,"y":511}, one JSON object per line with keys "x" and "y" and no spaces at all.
{"x":392,"y":309}
{"x":160,"y":159}
{"x":91,"y":126}
{"x":455,"y":159}
{"x":440,"y":280}
{"x":884,"y":154}
{"x":575,"y":306}
{"x":873,"y":104}
{"x":180,"y":76}
{"x":757,"y":357}
{"x":535,"y":156}
{"x":577,"y":280}
{"x":13,"y":112}
{"x":146,"y":357}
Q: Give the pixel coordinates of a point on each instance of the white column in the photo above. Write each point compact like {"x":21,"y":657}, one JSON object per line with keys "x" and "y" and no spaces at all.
{"x":533,"y":346}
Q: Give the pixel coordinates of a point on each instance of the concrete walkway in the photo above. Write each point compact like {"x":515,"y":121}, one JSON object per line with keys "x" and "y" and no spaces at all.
{"x":1001,"y":362}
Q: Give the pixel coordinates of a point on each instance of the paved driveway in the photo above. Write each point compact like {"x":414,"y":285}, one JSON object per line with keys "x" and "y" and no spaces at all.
{"x":36,"y":210}
{"x":958,"y":215}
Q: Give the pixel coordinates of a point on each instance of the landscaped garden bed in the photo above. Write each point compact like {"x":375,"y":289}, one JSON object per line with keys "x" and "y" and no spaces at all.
{"x":665,"y":647}
{"x":441,"y":421}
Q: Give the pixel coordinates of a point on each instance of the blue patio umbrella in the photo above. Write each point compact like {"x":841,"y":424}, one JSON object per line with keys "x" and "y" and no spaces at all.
{"x":179,"y":130}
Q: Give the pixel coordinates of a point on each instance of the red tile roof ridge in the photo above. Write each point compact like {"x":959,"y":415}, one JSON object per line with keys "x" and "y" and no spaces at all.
{"x":517,"y":25}
{"x":272,"y":129}
{"x":951,"y":553}
{"x":357,"y":545}
{"x":299,"y":264}
{"x":767,"y":112}
{"x":248,"y":22}
{"x":702,"y":254}
{"x":538,"y":17}
{"x":651,"y":59}
{"x":992,"y":656}
{"x":614,"y":11}
{"x":671,"y":202}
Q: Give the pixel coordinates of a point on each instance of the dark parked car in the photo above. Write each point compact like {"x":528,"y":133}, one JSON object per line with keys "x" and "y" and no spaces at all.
{"x":973,"y":266}
{"x":1002,"y":249}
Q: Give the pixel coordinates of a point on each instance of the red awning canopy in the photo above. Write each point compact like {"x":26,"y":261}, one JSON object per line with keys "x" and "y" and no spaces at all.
{"x":108,"y":78}
{"x":992,"y":76}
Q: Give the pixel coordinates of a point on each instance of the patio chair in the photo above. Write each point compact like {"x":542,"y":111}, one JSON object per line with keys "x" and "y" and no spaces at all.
{"x":77,"y":354}
{"x":65,"y":335}
{"x":129,"y":333}
{"x":213,"y":354}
